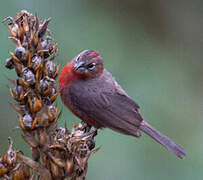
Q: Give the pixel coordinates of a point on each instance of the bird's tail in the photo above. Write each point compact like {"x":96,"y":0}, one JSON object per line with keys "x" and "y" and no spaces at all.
{"x":169,"y":144}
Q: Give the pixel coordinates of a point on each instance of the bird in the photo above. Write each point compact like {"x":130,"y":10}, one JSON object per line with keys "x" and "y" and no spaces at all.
{"x":91,"y":93}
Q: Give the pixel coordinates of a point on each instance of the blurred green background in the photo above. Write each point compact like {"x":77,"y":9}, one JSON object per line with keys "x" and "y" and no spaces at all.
{"x":155,"y":51}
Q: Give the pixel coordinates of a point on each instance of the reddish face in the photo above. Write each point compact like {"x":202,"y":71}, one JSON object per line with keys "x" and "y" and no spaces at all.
{"x":88,"y":64}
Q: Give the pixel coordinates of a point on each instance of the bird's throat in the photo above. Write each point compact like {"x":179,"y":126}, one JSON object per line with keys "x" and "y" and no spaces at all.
{"x":66,"y":76}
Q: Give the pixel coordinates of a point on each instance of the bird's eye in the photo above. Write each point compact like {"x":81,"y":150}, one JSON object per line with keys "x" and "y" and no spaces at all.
{"x":91,"y":66}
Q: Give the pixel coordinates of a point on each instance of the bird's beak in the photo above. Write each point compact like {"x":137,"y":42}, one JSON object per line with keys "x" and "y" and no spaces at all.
{"x":78,"y":65}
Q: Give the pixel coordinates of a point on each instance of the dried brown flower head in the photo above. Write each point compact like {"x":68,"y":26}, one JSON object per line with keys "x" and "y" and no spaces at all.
{"x":56,"y":152}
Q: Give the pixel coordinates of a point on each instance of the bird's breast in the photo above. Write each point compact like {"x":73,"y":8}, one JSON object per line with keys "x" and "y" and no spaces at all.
{"x":70,"y":100}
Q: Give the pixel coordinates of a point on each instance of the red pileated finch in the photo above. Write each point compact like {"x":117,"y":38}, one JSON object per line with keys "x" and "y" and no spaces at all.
{"x":93,"y":95}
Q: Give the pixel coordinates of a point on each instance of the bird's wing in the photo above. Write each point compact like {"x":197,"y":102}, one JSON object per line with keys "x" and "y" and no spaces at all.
{"x":105,"y":102}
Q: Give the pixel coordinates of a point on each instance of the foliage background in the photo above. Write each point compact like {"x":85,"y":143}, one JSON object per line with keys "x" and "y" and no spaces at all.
{"x":154,"y":49}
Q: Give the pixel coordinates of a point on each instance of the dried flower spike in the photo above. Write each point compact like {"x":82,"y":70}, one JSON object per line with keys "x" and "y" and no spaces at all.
{"x":32,"y":67}
{"x":56,"y":153}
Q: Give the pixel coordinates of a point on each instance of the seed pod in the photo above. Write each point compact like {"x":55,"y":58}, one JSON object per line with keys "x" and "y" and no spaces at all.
{"x":27,"y":122}
{"x":36,"y":63}
{"x":51,"y":69}
{"x":46,"y":53}
{"x":46,"y":85}
{"x":49,"y":48}
{"x":9,"y":63}
{"x":11,"y":157}
{"x":20,"y":53}
{"x":45,"y":44}
{"x":17,"y":93}
{"x":28,"y":76}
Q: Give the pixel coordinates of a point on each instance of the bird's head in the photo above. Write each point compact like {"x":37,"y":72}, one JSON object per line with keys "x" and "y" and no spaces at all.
{"x":88,"y":64}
